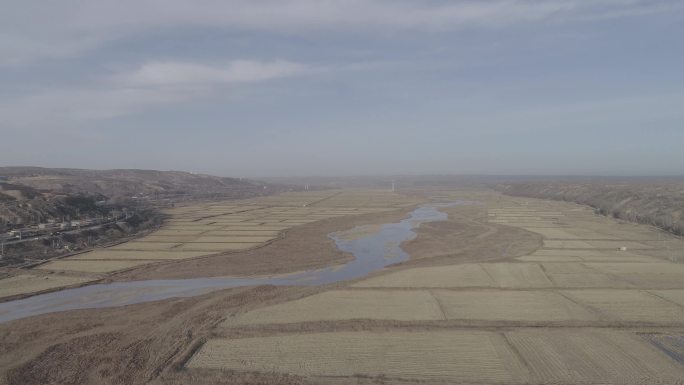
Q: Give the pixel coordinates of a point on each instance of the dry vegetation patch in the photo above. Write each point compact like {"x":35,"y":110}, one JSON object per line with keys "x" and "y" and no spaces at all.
{"x":446,"y":355}
{"x":593,"y":356}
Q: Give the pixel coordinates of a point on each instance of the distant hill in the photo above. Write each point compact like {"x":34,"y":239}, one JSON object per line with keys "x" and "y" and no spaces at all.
{"x":657,"y":201}
{"x":31,"y":195}
{"x":129,"y":183}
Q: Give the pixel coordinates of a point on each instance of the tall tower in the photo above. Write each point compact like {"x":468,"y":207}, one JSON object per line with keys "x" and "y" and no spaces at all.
{"x":393,"y":186}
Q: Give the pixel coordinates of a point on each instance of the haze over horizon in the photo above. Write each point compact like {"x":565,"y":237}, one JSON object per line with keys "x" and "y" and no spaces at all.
{"x":344,"y":87}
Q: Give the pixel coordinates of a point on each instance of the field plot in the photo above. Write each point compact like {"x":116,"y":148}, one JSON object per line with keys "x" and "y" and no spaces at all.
{"x":517,"y":275}
{"x":554,"y":244}
{"x":447,"y":355}
{"x":510,"y":306}
{"x":646,"y":275}
{"x":466,"y":275}
{"x":582,"y":233}
{"x":593,"y":356}
{"x":154,"y":238}
{"x":586,"y":256}
{"x":132,"y":255}
{"x":570,"y":233}
{"x":173,"y":233}
{"x":348,"y":304}
{"x":548,"y":258}
{"x":25,"y":284}
{"x":578,"y":275}
{"x":631,"y":245}
{"x":552,"y":233}
{"x":232,"y":239}
{"x":101,"y":266}
{"x":148,"y":245}
{"x":629,"y":306}
{"x":216,"y":247}
{"x":240,"y":233}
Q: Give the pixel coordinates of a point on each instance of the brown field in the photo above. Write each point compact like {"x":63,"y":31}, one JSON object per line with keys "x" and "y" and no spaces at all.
{"x":517,"y":275}
{"x":510,"y":306}
{"x":216,"y":247}
{"x":348,"y":304}
{"x":95,"y":266}
{"x":568,"y":245}
{"x":593,"y":356}
{"x":647,"y":275}
{"x":24,"y":284}
{"x":629,"y":305}
{"x":145,"y":246}
{"x":451,"y":355}
{"x":109,"y":254}
{"x":467,"y":275}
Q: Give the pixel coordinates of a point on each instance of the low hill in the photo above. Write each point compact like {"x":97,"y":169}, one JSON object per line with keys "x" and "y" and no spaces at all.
{"x":654,"y":201}
{"x":129,"y":183}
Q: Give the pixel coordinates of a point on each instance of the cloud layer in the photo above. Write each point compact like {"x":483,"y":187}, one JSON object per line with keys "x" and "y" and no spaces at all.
{"x":169,"y":73}
{"x":31,"y":29}
{"x":379,"y":81}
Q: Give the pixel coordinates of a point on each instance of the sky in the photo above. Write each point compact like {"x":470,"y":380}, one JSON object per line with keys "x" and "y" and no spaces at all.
{"x":259,"y":88}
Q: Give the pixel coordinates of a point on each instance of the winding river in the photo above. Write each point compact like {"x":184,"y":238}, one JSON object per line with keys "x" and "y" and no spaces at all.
{"x":373,"y":247}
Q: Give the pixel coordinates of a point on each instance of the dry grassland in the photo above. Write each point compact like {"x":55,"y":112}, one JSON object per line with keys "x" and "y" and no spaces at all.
{"x":24,"y":284}
{"x":448,"y":355}
{"x":593,"y":356}
{"x":345,"y":305}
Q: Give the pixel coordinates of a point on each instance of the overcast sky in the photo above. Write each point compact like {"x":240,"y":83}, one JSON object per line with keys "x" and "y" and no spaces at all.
{"x":330,"y":87}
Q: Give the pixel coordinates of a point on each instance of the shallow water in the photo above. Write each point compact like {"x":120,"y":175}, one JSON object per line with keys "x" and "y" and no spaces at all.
{"x":372,"y":250}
